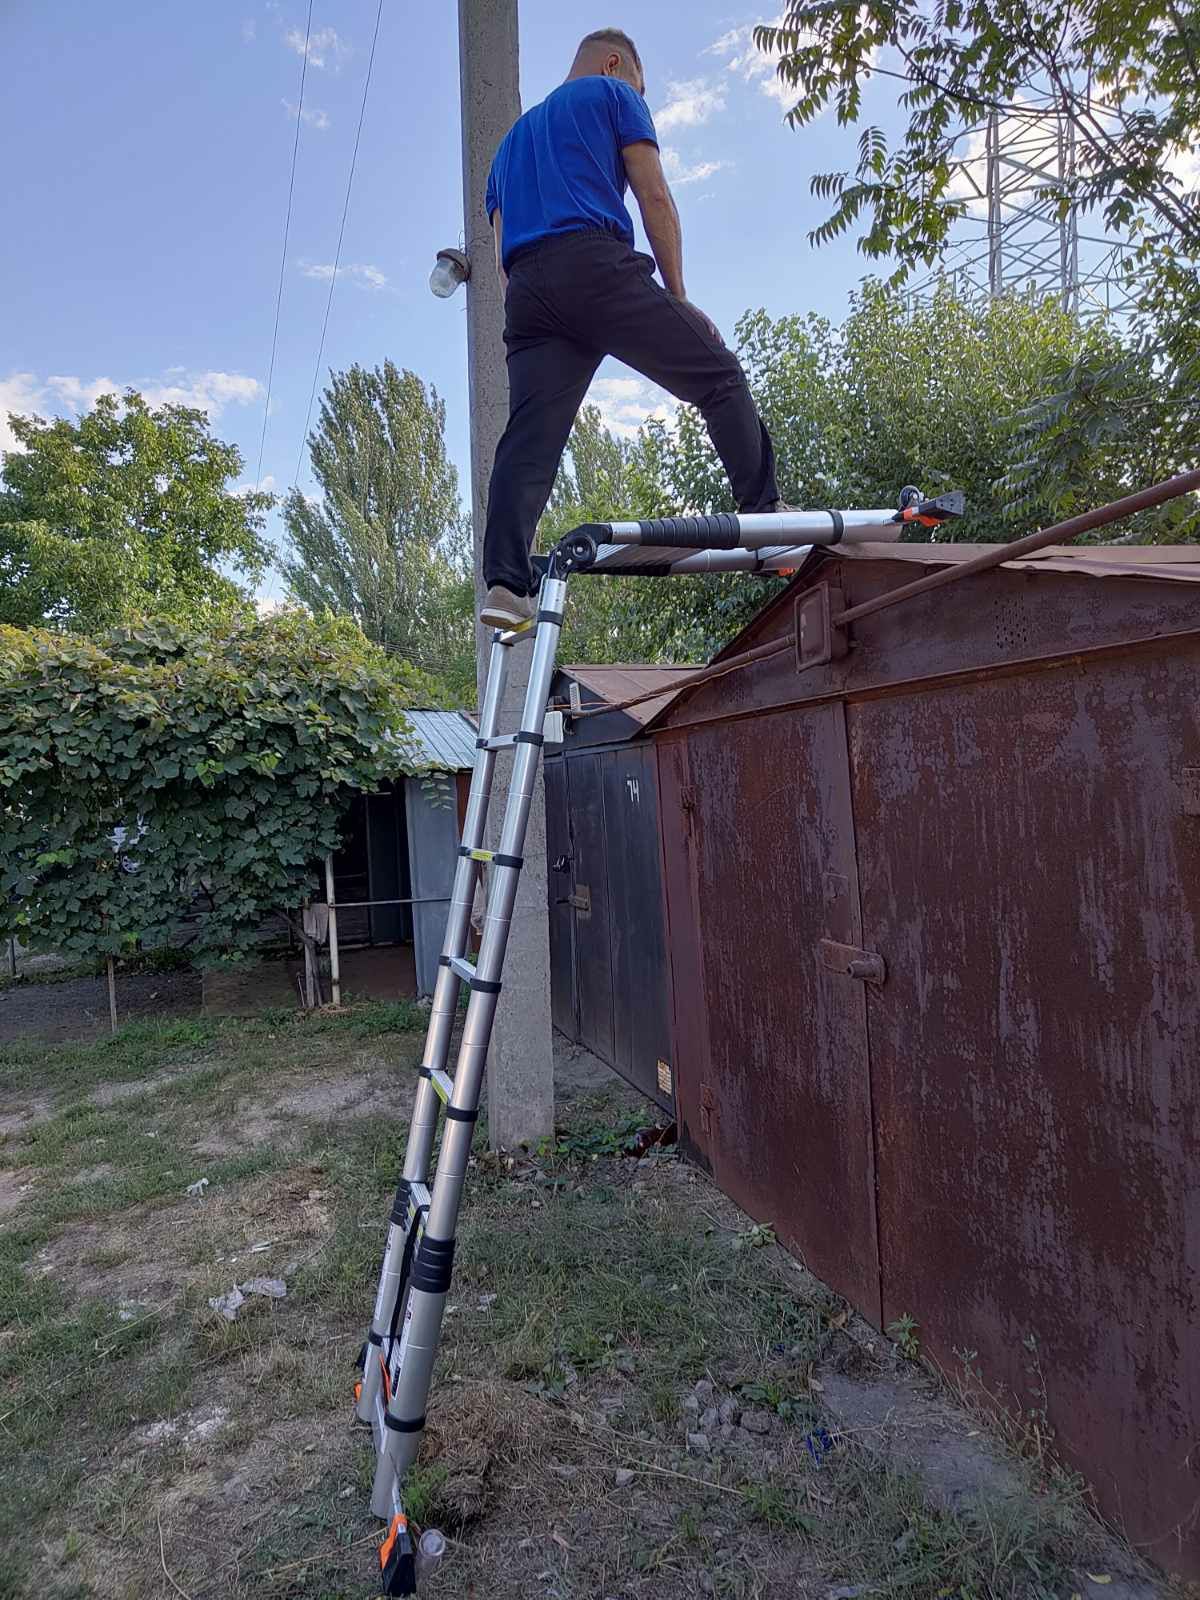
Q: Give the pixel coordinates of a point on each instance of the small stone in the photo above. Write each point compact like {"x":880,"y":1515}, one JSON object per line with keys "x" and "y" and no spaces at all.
{"x":848,"y":1591}
{"x":705,"y":1582}
{"x":623,"y":1477}
{"x":709,"y":1419}
{"x":704,"y":1391}
{"x":691,"y":1404}
{"x":726,"y":1432}
{"x":729,"y":1410}
{"x":698,"y":1444}
{"x":756,"y":1422}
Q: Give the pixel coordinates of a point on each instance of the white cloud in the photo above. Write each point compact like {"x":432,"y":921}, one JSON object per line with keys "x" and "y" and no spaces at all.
{"x":205,"y":391}
{"x":76,"y":395}
{"x":626,"y":403}
{"x":360,"y":272}
{"x":689,"y":104}
{"x":324,"y":47}
{"x":313,"y":116}
{"x":679,"y":172}
{"x":19,"y":392}
{"x":752,"y":65}
{"x":60,"y":394}
{"x":266,"y":486}
{"x":249,"y":31}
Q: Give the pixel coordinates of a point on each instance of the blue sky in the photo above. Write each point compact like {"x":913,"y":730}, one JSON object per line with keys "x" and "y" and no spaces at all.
{"x":149,"y":151}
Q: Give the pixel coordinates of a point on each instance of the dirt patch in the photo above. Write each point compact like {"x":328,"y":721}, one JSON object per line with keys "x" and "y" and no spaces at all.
{"x":97,"y":1174}
{"x":111,"y":1094}
{"x":354,"y":1096}
{"x":18,"y":1122}
{"x":151,"y":1255}
{"x":78,"y":1008}
{"x":911,"y":1425}
{"x":14,"y":1186}
{"x":279,"y":1125}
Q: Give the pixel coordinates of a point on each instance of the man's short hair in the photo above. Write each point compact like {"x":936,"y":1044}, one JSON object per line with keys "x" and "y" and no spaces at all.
{"x":616,"y":37}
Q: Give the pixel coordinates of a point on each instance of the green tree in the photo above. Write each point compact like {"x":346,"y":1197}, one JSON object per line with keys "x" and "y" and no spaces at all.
{"x":949,"y":394}
{"x":1123,"y":77}
{"x":387,"y":544}
{"x":159,"y":771}
{"x":954,"y":394}
{"x":126,"y":513}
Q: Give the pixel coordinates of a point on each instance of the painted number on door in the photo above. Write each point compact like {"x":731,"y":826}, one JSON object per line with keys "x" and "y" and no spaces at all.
{"x":635,"y":793}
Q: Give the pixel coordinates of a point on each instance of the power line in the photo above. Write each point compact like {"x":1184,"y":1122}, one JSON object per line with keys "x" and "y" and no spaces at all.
{"x":338,"y":253}
{"x":287,"y":224}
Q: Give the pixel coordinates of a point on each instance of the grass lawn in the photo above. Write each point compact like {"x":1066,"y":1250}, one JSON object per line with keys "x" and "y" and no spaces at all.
{"x":639,"y":1394}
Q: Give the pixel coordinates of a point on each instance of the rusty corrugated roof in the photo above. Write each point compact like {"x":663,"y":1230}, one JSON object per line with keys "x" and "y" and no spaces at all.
{"x":1174,"y":563}
{"x":623,"y":680}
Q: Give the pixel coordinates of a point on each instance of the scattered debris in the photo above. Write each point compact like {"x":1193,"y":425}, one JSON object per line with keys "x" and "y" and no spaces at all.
{"x":274,"y":1288}
{"x":227,"y":1305}
{"x":193,"y":1428}
{"x":623,"y":1477}
{"x":197,"y":1189}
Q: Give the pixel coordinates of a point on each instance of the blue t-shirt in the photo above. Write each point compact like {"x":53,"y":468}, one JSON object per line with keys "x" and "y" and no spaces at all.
{"x":559,"y":168}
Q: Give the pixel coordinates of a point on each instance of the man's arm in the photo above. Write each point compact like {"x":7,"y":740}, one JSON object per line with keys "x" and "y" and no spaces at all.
{"x":643,"y":168}
{"x":498,"y":236}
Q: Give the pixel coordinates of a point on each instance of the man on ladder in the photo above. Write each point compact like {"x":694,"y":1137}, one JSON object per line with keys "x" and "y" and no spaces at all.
{"x":576,"y":291}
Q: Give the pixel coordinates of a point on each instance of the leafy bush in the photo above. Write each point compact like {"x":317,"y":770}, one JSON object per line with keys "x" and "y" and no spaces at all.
{"x":158,"y":771}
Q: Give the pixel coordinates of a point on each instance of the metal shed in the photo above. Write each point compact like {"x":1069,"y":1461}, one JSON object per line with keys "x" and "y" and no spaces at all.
{"x":934,"y":915}
{"x":392,"y":878}
{"x":610,"y":983}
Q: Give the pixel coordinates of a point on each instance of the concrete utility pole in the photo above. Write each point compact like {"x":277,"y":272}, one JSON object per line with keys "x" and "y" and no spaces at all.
{"x":520,"y":1066}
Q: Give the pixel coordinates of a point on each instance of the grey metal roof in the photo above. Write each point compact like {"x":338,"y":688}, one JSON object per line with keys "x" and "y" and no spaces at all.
{"x":445,"y":739}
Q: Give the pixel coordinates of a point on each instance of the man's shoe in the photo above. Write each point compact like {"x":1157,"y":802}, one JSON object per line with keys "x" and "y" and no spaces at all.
{"x":504,"y":609}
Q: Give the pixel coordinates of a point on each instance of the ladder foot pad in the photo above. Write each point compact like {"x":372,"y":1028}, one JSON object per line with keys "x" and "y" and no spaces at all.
{"x":397,"y":1565}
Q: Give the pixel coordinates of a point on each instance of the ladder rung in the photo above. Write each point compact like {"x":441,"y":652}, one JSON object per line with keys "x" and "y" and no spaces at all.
{"x":518,"y":635}
{"x":501,"y":741}
{"x":418,"y":1194}
{"x":443,"y":1087}
{"x":462,"y":968}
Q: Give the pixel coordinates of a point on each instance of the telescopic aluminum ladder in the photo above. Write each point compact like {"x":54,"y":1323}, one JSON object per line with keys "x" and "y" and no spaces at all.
{"x":397,"y":1359}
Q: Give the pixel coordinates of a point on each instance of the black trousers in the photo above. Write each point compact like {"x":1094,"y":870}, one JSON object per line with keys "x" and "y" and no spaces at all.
{"x":571,"y":301}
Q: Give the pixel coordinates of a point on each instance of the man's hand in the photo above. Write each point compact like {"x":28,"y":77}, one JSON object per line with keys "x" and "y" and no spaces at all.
{"x":706,"y":320}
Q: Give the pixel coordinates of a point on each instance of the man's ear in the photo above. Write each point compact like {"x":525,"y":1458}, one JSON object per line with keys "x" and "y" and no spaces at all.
{"x":612,"y":67}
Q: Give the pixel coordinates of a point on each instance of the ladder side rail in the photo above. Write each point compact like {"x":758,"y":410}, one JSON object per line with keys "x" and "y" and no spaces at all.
{"x":430,"y":1279}
{"x":458,"y":921}
{"x":398,"y":1252}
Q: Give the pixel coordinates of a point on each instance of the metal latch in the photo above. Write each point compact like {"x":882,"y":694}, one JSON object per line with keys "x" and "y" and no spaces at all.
{"x":581,"y":899}
{"x":851,"y":962}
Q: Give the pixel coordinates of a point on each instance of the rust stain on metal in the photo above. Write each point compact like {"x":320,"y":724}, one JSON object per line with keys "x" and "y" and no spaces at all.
{"x":789,"y":1132}
{"x":995,"y":799}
